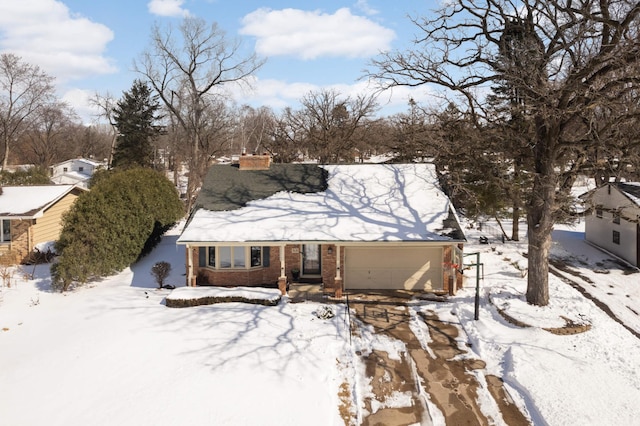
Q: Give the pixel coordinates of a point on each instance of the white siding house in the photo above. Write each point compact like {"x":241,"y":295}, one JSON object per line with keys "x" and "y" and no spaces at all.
{"x":77,"y":171}
{"x":614,"y":222}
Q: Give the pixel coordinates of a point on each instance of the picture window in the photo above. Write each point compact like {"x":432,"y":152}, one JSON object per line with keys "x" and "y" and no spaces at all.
{"x":234,"y":257}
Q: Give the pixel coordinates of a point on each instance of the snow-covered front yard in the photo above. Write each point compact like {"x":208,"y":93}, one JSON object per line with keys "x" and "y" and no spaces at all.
{"x":113,"y":353}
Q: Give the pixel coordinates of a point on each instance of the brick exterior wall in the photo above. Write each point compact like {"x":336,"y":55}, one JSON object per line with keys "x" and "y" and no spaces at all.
{"x":268,"y":276}
{"x":292,"y":259}
{"x":447,"y":276}
{"x":21,"y":239}
{"x":452,"y":278}
{"x":262,"y":276}
{"x":329,"y":272}
{"x":254,"y":162}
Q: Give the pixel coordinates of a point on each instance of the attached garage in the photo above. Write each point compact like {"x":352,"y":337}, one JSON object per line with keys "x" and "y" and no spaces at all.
{"x":396,"y":268}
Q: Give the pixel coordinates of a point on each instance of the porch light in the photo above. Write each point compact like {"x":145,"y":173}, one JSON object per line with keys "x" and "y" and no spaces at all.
{"x":330,"y":250}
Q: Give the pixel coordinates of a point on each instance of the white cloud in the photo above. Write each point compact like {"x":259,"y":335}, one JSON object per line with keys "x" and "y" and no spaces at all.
{"x":167,"y":8}
{"x":80,"y":101}
{"x":45,"y":33}
{"x":364,"y":6}
{"x":313,"y":34}
{"x":276,"y":94}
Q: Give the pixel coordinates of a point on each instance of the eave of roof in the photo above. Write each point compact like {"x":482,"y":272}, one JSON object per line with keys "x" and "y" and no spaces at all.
{"x":30,"y":202}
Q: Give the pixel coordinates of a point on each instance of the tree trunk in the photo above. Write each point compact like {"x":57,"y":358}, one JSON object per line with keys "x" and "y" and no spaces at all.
{"x":538,"y":264}
{"x":540,"y":217}
{"x":515,"y":224}
{"x":516,"y":199}
{"x":5,"y":159}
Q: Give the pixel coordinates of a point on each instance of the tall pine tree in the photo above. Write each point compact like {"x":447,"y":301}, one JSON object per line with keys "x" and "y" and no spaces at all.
{"x":135,"y":118}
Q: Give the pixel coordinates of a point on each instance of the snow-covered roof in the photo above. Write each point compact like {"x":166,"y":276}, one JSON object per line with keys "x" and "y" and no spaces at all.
{"x":72,"y":178}
{"x":359,"y":203}
{"x":79,"y":160}
{"x":631,"y":190}
{"x":28,"y":202}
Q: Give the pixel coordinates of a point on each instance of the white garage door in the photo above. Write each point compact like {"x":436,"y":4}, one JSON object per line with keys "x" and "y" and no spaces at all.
{"x":397,"y":268}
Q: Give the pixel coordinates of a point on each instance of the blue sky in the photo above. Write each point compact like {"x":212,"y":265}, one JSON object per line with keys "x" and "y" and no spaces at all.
{"x":89,"y":46}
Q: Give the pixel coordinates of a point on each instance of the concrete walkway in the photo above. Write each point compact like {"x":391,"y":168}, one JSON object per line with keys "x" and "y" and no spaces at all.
{"x":301,"y":292}
{"x":446,"y":379}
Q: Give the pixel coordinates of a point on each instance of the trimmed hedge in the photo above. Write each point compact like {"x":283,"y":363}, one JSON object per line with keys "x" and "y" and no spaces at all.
{"x":120,"y":220}
{"x":212,"y":300}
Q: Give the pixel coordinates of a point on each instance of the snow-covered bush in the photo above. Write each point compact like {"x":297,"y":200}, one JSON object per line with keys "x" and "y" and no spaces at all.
{"x":325,"y":312}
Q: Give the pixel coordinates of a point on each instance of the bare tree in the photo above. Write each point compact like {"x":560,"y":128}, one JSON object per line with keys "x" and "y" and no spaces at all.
{"x":571,"y":62}
{"x":90,"y":142}
{"x":411,"y":136}
{"x":283,"y":136}
{"x":252,"y":128}
{"x":106,"y":104}
{"x":186,"y":70}
{"x":330,"y":122}
{"x":24,"y":89}
{"x":48,"y":136}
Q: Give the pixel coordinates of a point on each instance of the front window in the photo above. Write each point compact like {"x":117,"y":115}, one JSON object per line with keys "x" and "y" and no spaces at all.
{"x":239,"y":259}
{"x":6,"y":231}
{"x":616,"y":237}
{"x":224,"y":254}
{"x":599,"y":211}
{"x":256,"y":256}
{"x":616,"y":217}
{"x":234,"y":257}
{"x":212,"y":257}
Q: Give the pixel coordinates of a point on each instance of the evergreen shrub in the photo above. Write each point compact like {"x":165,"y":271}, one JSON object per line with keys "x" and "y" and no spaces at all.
{"x":113,"y":225}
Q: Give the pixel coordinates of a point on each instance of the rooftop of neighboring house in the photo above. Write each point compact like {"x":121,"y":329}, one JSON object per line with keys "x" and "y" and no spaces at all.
{"x":80,"y":160}
{"x":30,"y":201}
{"x":631,"y":190}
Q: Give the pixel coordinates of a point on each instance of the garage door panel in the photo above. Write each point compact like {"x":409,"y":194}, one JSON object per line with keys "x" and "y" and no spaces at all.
{"x":397,"y":268}
{"x":366,"y":278}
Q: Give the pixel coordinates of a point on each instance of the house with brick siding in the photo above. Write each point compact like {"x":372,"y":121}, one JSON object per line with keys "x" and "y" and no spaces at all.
{"x":31,"y":216}
{"x":613,"y":221}
{"x":344,"y":227}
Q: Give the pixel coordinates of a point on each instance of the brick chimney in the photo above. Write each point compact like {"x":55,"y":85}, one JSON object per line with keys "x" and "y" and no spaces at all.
{"x":255,"y":162}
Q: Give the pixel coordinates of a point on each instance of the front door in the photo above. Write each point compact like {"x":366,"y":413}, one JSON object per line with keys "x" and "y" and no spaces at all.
{"x":311,"y":259}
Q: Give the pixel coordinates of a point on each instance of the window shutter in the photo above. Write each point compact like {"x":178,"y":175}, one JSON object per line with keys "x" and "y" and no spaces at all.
{"x":202,"y":257}
{"x":265,"y":256}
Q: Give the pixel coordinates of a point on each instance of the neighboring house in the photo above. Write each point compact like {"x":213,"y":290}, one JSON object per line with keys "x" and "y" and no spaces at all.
{"x":349,"y":227}
{"x":614,"y":220}
{"x":77,"y":171}
{"x":30,"y":216}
